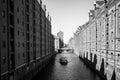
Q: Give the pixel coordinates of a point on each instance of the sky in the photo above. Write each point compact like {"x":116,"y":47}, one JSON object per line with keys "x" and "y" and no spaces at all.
{"x":67,"y":15}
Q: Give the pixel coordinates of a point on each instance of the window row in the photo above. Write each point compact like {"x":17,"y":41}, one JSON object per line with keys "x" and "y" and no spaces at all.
{"x":23,"y":44}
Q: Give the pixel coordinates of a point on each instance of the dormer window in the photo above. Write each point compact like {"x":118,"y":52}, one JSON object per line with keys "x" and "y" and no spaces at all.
{"x":119,"y":5}
{"x":3,"y":13}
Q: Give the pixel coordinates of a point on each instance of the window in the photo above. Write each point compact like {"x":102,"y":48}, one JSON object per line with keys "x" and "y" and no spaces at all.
{"x":17,"y":9}
{"x":34,"y":1}
{"x":27,"y":36}
{"x":22,"y":23}
{"x":18,"y":32}
{"x":18,"y":21}
{"x":22,"y":2}
{"x":3,"y":1}
{"x":11,"y":19}
{"x":112,"y":35}
{"x":3,"y":13}
{"x":12,"y":46}
{"x":23,"y":44}
{"x":31,"y":44}
{"x":119,"y":40}
{"x":23,"y":55}
{"x":27,"y":18}
{"x":4,"y":44}
{"x":34,"y":22}
{"x":27,"y":27}
{"x":22,"y":12}
{"x":27,"y":8}
{"x":18,"y":44}
{"x":107,"y":64}
{"x":112,"y":41}
{"x":18,"y":55}
{"x":91,"y":56}
{"x":119,"y":5}
{"x":107,"y":42}
{"x":118,"y":57}
{"x":23,"y":33}
{"x":112,"y":56}
{"x":28,"y":46}
{"x":27,"y":1}
{"x":119,"y":70}
{"x":102,"y":52}
{"x":11,"y":6}
{"x":107,"y":52}
{"x":112,"y":16}
{"x":3,"y":29}
{"x":108,"y":23}
{"x":33,"y":14}
{"x":107,"y":33}
{"x":4,"y":59}
{"x":11,"y":33}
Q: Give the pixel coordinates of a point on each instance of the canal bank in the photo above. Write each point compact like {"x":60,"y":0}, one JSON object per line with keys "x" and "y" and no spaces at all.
{"x":92,"y":65}
{"x":74,"y":70}
{"x":38,"y":66}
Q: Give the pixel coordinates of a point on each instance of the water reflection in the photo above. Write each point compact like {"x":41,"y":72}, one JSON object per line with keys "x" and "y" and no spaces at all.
{"x":74,"y":70}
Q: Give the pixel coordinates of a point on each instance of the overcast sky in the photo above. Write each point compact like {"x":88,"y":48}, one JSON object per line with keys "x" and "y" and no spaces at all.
{"x":67,"y":15}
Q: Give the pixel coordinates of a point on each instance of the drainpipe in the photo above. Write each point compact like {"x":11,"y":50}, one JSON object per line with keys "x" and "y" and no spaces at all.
{"x":114,"y":75}
{"x":107,"y":24}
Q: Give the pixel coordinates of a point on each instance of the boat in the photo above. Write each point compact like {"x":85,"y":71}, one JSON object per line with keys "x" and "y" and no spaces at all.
{"x":63,"y":60}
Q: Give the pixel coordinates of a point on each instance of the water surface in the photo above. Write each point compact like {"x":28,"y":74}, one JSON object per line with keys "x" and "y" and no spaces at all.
{"x":74,"y":70}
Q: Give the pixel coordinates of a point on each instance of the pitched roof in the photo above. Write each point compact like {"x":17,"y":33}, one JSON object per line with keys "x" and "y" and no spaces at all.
{"x":100,"y":3}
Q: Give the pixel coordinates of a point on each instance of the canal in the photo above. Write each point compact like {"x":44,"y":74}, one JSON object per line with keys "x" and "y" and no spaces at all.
{"x":74,"y":70}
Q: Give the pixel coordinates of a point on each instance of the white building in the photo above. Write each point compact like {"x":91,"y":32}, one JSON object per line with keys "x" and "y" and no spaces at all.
{"x":100,"y":37}
{"x":57,"y":44}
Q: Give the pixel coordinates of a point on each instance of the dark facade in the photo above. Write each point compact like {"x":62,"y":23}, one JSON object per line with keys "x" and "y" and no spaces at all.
{"x":60,"y":35}
{"x":26,"y":42}
{"x":61,"y":43}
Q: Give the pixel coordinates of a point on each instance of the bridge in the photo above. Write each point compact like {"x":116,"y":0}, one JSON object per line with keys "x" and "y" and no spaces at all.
{"x":65,"y":49}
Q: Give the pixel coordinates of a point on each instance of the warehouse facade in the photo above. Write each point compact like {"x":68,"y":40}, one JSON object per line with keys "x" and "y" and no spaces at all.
{"x":26,"y":41}
{"x":98,"y":40}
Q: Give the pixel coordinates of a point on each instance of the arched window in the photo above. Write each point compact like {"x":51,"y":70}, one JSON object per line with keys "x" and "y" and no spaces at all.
{"x":118,"y":57}
{"x":112,"y":56}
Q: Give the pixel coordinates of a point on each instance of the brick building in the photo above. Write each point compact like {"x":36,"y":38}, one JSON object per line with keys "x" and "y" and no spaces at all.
{"x":99,"y":39}
{"x":25,"y":38}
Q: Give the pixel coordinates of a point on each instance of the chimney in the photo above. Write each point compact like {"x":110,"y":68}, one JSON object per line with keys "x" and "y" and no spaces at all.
{"x":95,"y":5}
{"x":40,"y":2}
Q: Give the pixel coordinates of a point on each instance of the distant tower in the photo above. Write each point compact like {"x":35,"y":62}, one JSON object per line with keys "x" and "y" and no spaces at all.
{"x":60,"y":34}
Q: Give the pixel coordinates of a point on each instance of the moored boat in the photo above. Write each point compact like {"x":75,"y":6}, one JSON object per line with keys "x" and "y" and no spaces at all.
{"x":63,"y":60}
